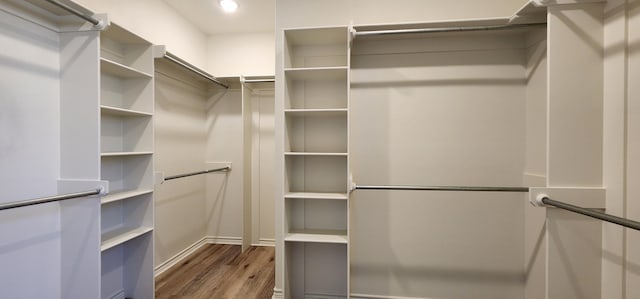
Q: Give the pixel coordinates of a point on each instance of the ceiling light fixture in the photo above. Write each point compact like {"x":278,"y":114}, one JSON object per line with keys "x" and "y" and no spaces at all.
{"x":229,"y":5}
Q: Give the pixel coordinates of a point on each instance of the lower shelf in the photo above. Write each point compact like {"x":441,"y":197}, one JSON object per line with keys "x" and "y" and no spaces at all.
{"x":318,"y":236}
{"x":118,"y":236}
{"x":127,"y":269}
{"x":116,"y":196}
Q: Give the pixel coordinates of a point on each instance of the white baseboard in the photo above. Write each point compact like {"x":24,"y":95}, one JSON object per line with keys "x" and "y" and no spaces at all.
{"x":368,"y":296}
{"x":323,"y":296}
{"x":172,"y":261}
{"x":277,"y":294}
{"x":265,"y":242}
{"x":176,"y":259}
{"x":224,"y":240}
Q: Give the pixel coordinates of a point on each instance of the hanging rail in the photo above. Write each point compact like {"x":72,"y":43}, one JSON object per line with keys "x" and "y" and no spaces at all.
{"x":590,"y":213}
{"x":30,"y":202}
{"x":179,"y":61}
{"x":446,"y":29}
{"x":442,"y":188}
{"x":541,"y":200}
{"x":173,"y":177}
{"x":90,"y":19}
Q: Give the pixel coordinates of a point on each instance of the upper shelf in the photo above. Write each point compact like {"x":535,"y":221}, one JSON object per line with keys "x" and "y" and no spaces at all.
{"x":316,"y":112}
{"x":317,"y":73}
{"x":116,"y":111}
{"x":316,"y":47}
{"x":120,"y":70}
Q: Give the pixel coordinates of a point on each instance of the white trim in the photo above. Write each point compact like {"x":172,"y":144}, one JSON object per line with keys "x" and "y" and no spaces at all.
{"x":224,"y":240}
{"x":172,"y":261}
{"x":323,"y":296}
{"x":368,"y":296}
{"x":265,"y":242}
{"x":119,"y":294}
{"x":277,"y":294}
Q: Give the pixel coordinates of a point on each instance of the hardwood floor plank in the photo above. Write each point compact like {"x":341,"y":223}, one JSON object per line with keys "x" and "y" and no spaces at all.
{"x":221,"y":272}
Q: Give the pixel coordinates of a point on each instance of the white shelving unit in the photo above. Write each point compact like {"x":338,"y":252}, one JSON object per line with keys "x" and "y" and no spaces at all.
{"x":126,"y":144}
{"x":316,"y":162}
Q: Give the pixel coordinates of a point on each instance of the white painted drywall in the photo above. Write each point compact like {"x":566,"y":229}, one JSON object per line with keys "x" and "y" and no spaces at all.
{"x":247,"y":54}
{"x":30,"y":240}
{"x":158,"y":23}
{"x":180,"y":140}
{"x":621,"y":248}
{"x":224,"y":193}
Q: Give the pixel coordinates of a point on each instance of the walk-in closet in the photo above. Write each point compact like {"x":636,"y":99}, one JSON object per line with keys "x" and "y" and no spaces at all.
{"x":295,"y":149}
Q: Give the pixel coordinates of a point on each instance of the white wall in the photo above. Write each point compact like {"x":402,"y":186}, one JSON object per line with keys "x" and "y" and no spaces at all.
{"x":180,"y":140}
{"x":438,"y":111}
{"x":224,"y":131}
{"x":621,"y":248}
{"x":247,"y":54}
{"x":30,"y":240}
{"x":158,"y":23}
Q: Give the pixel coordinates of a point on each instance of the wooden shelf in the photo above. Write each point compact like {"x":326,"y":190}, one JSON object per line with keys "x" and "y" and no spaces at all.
{"x":318,"y":236}
{"x":315,"y":195}
{"x":125,"y":154}
{"x":120,"y":70}
{"x":115,"y":111}
{"x":121,"y":235}
{"x":120,"y":195}
{"x":317,"y":73}
{"x":316,"y":112}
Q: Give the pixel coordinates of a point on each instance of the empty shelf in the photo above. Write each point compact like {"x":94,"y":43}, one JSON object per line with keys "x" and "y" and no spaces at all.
{"x":317,"y":73}
{"x":315,"y":154}
{"x":125,"y":154}
{"x":318,"y":236}
{"x":120,"y":70}
{"x":315,"y":195}
{"x":316,"y":112}
{"x":108,"y":110}
{"x":121,"y":235}
{"x":124,"y":195}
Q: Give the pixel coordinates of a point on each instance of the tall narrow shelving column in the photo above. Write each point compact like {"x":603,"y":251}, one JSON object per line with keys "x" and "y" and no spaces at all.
{"x":126,"y":144}
{"x":316,"y":162}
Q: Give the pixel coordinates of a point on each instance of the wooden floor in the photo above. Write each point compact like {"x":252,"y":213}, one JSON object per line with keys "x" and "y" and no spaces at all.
{"x":221,"y":272}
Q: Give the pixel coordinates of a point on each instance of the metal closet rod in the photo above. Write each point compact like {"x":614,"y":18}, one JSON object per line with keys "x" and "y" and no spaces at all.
{"x":173,"y":177}
{"x":31,"y":202}
{"x":74,"y":11}
{"x":590,"y":213}
{"x":446,"y":29}
{"x":545,"y":200}
{"x":442,"y":188}
{"x":179,"y":61}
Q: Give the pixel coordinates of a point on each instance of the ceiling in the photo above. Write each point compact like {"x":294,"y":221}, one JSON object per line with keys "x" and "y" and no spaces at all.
{"x":251,"y":16}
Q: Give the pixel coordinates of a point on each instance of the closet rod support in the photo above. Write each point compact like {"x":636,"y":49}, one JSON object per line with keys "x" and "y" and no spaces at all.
{"x":179,"y":61}
{"x":442,"y":188}
{"x":90,"y":19}
{"x":221,"y":169}
{"x":31,"y":202}
{"x":446,"y":29}
{"x":590,"y":213}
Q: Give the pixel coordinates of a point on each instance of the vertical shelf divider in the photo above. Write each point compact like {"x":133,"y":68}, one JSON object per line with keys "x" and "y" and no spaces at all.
{"x":316,"y":162}
{"x":127,"y":147}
